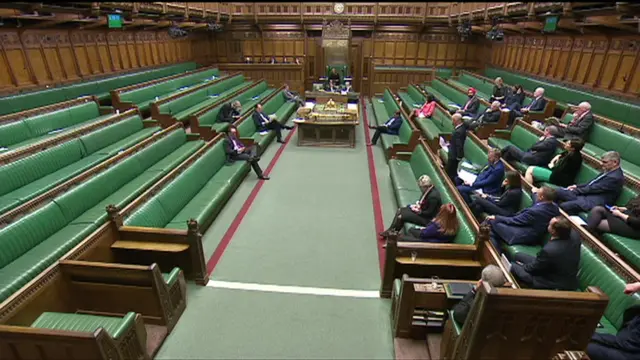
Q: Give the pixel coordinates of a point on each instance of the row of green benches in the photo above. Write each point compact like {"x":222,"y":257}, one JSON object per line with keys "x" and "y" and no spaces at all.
{"x":142,"y":97}
{"x":24,"y":132}
{"x":383,"y":109}
{"x":201,"y":190}
{"x":100,"y":88}
{"x":619,"y":110}
{"x":447,"y":95}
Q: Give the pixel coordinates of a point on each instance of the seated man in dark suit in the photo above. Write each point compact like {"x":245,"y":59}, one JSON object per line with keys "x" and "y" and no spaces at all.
{"x":625,"y":344}
{"x":230,"y":112}
{"x":604,"y":189}
{"x":579,"y":127}
{"x":456,"y":146}
{"x":491,"y":116}
{"x":236,"y":151}
{"x":391,"y":127}
{"x":265,"y":122}
{"x":292,"y":95}
{"x":492,"y":275}
{"x":538,"y":104}
{"x":556,"y":265}
{"x":489,"y":180}
{"x":540,"y":154}
{"x":528,"y":226}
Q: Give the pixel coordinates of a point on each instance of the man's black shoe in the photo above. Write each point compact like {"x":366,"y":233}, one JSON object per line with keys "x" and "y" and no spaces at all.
{"x":263,"y":177}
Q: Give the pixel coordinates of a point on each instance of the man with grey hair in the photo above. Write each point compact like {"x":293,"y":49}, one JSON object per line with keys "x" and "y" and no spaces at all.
{"x":230,"y":112}
{"x":604,"y":189}
{"x":578,"y":128}
{"x":537,"y":104}
{"x":490,"y":116}
{"x":492,"y":275}
{"x":540,"y":154}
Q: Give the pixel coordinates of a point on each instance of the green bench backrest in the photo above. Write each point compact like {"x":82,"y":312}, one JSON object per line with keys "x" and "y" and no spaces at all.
{"x":632,"y":152}
{"x":421,"y":165}
{"x":389,"y":104}
{"x":274,"y":104}
{"x":451,"y":93}
{"x":163,"y":207}
{"x":101,"y":138}
{"x":26,"y":170}
{"x":442,"y":120}
{"x":30,"y":100}
{"x":44,"y":123}
{"x":14,"y":133}
{"x":415,"y":95}
{"x":523,"y":138}
{"x":594,"y":272}
{"x":607,"y":138}
{"x":474,"y":153}
{"x":184,"y":102}
{"x":444,"y":73}
{"x":479,"y":84}
{"x":146,"y":93}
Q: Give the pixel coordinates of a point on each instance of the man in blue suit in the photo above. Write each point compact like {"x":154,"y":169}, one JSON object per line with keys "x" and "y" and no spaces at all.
{"x":538,"y":104}
{"x":604,"y":189}
{"x":528,"y":226}
{"x":489,"y":180}
{"x":625,"y":344}
{"x":391,"y":127}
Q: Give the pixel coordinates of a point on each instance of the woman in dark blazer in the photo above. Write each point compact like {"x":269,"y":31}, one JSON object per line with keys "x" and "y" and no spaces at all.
{"x":506,"y":205}
{"x":443,"y":229}
{"x":419,"y":213}
{"x":623,"y":221}
{"x":563,"y":168}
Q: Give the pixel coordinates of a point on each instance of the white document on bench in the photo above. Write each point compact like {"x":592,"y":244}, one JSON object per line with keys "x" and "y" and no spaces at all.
{"x":577,"y":219}
{"x":444,"y":144}
{"x":54,"y":131}
{"x":505,"y":262}
{"x":309,"y":104}
{"x":2,"y":148}
{"x":466,"y":176}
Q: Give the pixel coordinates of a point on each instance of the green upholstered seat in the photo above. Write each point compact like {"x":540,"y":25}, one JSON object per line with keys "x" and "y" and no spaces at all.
{"x":35,"y":241}
{"x":114,"y":326}
{"x":456,"y":327}
{"x":383,"y":110}
{"x":172,"y":277}
{"x":33,"y":175}
{"x":99,"y":87}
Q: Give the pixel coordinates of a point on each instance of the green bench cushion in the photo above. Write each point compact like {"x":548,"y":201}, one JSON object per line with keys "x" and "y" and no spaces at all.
{"x":114,"y":326}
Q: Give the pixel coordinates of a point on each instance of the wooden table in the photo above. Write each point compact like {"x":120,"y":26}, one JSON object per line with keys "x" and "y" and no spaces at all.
{"x":312,"y":95}
{"x":326,"y":129}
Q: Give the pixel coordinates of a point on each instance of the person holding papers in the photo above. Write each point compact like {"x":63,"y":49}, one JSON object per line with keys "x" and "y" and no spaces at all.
{"x":443,"y":229}
{"x":419,"y":213}
{"x":391,"y":127}
{"x":265,"y":122}
{"x":618,"y":220}
{"x":489,"y":180}
{"x":603,"y":190}
{"x":506,"y":205}
{"x":230,"y":112}
{"x":471,"y":107}
{"x":526,"y":227}
{"x":426,"y":111}
{"x":236,"y":151}
{"x":556,"y":266}
{"x":456,"y":147}
{"x":563,"y":168}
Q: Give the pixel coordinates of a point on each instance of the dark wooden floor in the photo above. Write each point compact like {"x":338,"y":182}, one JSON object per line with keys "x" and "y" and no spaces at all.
{"x":418,"y":349}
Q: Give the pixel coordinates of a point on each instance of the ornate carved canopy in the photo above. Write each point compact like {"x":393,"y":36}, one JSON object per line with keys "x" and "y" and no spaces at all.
{"x":335,"y":41}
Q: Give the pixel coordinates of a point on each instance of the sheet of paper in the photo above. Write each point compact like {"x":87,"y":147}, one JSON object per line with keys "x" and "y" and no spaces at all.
{"x":2,"y":148}
{"x":55,"y":131}
{"x":352,"y":106}
{"x":466,"y":176}
{"x":309,"y":104}
{"x":444,"y":144}
{"x":468,"y":165}
{"x":455,"y":106}
{"x":505,"y":262}
{"x":478,"y":191}
{"x":577,"y":219}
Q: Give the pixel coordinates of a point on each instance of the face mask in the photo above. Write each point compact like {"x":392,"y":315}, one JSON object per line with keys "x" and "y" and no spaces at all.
{"x":470,"y":96}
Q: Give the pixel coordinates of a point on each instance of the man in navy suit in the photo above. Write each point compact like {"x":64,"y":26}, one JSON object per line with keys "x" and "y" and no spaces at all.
{"x":456,"y":146}
{"x":625,"y":344}
{"x":538,"y":104}
{"x":604,"y":189}
{"x":540,"y":154}
{"x":264,"y":123}
{"x":556,"y":266}
{"x":391,"y":127}
{"x":526,"y":227}
{"x":489,"y":180}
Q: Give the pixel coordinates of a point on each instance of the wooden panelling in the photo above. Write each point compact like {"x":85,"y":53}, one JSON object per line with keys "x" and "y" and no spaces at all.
{"x":595,"y":62}
{"x":36,"y":58}
{"x":274,"y":74}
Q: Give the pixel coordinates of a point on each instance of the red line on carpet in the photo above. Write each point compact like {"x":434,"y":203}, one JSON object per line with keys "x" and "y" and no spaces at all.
{"x":226,"y":238}
{"x":375,"y":193}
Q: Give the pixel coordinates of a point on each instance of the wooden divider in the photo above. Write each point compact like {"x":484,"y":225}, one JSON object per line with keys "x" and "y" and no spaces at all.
{"x":167,"y":119}
{"x":9,"y":118}
{"x":396,"y":77}
{"x":43,"y":199}
{"x":487,"y":129}
{"x":19,"y":153}
{"x":612,"y":259}
{"x":115,"y":94}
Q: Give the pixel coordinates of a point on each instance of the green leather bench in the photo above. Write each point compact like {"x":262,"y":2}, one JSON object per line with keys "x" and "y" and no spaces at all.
{"x":143,"y":97}
{"x":383,"y":110}
{"x":115,"y":326}
{"x":181,"y":107}
{"x":432,"y":128}
{"x":603,"y":138}
{"x":520,"y":137}
{"x":278,"y":106}
{"x":99,"y":87}
{"x":197,"y":193}
{"x":447,"y":95}
{"x":465,"y":81}
{"x":28,"y":177}
{"x":473,"y":154}
{"x":609,"y":107}
{"x":35,"y":241}
{"x":404,"y":179}
{"x":42,"y":126}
